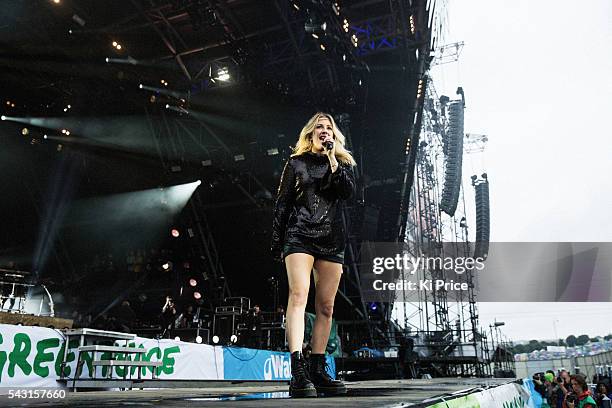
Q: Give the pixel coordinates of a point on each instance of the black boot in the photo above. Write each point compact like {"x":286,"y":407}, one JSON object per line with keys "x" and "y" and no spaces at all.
{"x":300,"y":385}
{"x":321,"y":379}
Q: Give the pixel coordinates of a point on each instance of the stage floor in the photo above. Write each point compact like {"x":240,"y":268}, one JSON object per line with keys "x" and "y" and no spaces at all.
{"x":364,"y":394}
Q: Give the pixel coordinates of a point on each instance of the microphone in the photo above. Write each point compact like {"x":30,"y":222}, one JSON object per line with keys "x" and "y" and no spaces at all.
{"x":328,"y":145}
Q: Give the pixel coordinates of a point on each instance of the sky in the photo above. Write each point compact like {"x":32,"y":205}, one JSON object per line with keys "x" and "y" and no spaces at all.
{"x":537,"y":81}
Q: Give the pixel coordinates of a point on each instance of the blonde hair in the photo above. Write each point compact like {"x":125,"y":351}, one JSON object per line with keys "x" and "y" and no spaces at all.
{"x":304,"y":143}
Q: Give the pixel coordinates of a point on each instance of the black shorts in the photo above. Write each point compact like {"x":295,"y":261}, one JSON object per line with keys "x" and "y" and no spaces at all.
{"x":292,"y":249}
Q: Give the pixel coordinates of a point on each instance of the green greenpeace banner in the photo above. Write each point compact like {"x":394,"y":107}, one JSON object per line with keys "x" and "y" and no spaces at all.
{"x":509,"y":395}
{"x":32,"y":357}
{"x":468,"y":401}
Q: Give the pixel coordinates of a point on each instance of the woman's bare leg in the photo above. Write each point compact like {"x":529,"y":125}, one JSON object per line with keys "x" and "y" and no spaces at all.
{"x":327,"y":278}
{"x":299,"y":267}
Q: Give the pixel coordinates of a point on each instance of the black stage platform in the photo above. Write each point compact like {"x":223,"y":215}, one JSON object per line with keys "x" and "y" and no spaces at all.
{"x":378,"y":393}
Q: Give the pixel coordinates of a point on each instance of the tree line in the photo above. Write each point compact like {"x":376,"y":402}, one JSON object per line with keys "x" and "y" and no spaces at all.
{"x":569,"y":341}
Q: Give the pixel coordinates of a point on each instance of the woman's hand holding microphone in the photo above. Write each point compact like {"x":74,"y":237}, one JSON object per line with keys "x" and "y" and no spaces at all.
{"x":330,"y":150}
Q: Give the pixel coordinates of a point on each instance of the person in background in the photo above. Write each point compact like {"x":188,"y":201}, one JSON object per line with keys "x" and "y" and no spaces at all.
{"x":581,"y":396}
{"x":186,"y":318}
{"x":563,"y":381}
{"x":603,"y":396}
{"x":553,"y":389}
{"x":125,"y":317}
{"x":254,"y":322}
{"x":540,"y":384}
{"x":168,"y":317}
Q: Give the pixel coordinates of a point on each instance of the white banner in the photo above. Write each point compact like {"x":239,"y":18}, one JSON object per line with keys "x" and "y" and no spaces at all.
{"x":32,"y":357}
{"x":508,"y":396}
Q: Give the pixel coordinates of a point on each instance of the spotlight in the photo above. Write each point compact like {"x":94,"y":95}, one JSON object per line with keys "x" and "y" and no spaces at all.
{"x":345,"y":25}
{"x":2,"y":117}
{"x":8,"y":103}
{"x":336,"y":8}
{"x":77,"y":19}
{"x":199,"y":182}
{"x":175,"y":233}
{"x":140,"y":86}
{"x":198,"y":339}
{"x":106,"y":59}
{"x":25,"y":131}
{"x":343,"y":57}
{"x":197,"y":295}
{"x":223,"y":74}
{"x":193,"y":282}
{"x":167,"y":106}
{"x":177,"y":338}
{"x":45,"y":137}
{"x":115,"y":43}
{"x":215,"y":339}
{"x":315,"y":36}
{"x":312,"y":26}
{"x":166,"y":266}
{"x":118,"y":46}
{"x":322,"y":47}
{"x":67,"y":133}
{"x":56,"y":1}
{"x":233,"y":339}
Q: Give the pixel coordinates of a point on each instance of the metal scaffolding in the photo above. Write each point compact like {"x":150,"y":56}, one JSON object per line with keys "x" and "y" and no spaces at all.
{"x":444,"y":328}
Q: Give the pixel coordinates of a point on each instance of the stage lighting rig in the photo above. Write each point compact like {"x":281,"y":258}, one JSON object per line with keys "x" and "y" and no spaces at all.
{"x":314,"y":26}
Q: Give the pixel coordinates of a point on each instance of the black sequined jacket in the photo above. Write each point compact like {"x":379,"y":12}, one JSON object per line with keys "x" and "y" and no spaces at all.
{"x":307,"y":210}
